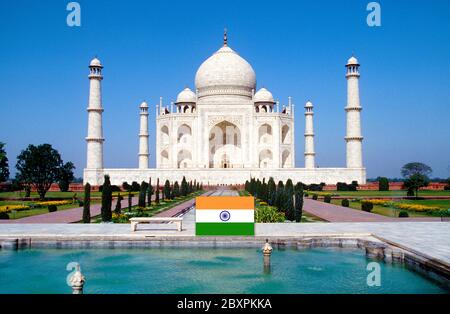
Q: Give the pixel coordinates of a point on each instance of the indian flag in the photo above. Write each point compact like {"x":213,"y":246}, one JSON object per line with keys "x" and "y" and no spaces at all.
{"x":225,"y":215}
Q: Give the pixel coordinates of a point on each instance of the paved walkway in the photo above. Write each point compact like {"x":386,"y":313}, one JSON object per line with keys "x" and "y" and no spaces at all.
{"x":336,"y":213}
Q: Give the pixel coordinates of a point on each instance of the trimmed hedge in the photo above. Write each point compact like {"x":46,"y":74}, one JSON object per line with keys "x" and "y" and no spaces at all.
{"x":315,"y":197}
{"x":327,"y":199}
{"x":403,"y":214}
{"x":345,"y":203}
{"x":52,"y":208}
{"x":366,"y":206}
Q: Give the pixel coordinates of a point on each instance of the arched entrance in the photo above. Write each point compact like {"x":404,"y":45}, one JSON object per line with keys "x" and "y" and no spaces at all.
{"x":225,"y":146}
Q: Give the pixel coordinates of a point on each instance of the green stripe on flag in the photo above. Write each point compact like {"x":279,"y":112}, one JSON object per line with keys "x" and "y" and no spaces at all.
{"x":224,"y":228}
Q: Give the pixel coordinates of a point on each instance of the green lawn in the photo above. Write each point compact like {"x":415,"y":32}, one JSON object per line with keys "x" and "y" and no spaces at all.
{"x":393,"y":212}
{"x":400,"y":193}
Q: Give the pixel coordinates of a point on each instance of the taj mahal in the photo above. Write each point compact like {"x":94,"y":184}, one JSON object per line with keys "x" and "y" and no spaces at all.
{"x":225,"y":131}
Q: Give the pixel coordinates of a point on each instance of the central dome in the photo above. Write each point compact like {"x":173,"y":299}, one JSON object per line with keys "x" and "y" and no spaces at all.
{"x":225,"y":73}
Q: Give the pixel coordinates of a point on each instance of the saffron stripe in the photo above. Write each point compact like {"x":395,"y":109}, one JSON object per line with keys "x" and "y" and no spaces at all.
{"x":224,"y":202}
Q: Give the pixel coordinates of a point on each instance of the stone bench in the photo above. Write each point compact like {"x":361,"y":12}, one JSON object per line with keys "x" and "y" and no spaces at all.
{"x":146,"y":220}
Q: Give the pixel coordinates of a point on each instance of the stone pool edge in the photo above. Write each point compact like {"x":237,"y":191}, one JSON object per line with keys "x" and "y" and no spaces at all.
{"x":375,"y":247}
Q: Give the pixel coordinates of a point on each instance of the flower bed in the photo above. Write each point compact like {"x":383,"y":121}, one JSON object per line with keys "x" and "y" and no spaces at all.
{"x":56,"y":203}
{"x":9,"y":208}
{"x":402,"y":206}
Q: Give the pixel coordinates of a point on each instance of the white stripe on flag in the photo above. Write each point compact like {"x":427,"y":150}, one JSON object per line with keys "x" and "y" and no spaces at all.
{"x":214,"y":215}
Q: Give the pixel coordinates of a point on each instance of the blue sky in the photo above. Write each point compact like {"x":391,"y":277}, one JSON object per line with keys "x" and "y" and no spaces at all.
{"x":297,"y":48}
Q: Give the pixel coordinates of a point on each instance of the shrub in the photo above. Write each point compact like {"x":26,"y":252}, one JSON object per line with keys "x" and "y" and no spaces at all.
{"x":403,"y":214}
{"x":345,"y":203}
{"x":327,"y":199}
{"x":341,"y":186}
{"x":4,"y":215}
{"x":52,"y":208}
{"x":306,"y":194}
{"x":80,"y":203}
{"x":366,"y":206}
{"x":266,"y":214}
{"x":315,"y":187}
{"x":315,"y":197}
{"x":383,"y":184}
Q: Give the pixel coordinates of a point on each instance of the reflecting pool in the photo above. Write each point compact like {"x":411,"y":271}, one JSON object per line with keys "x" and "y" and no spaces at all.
{"x":204,"y":270}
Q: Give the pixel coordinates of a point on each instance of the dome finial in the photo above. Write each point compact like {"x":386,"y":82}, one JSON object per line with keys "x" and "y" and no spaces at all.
{"x":225,"y":39}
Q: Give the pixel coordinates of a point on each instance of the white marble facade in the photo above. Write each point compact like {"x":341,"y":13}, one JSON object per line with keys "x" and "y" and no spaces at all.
{"x":226,"y":131}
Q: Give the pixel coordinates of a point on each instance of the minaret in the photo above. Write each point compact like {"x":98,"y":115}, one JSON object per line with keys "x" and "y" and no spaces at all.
{"x":309,"y":136}
{"x":353,"y":109}
{"x":143,"y":137}
{"x":95,"y":138}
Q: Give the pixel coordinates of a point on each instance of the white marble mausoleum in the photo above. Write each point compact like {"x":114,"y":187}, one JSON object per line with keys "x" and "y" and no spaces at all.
{"x":225,"y":131}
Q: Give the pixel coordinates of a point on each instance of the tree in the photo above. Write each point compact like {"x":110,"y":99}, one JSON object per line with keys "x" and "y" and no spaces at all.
{"x":184,"y":187}
{"x":130,"y":200}
{"x":415,"y":182}
{"x":135,"y":187}
{"x":87,"y":204}
{"x":288,"y":204}
{"x":149,"y":193}
{"x":4,"y":166}
{"x":66,"y":176}
{"x":142,"y":194}
{"x":106,"y":200}
{"x":166,"y":190}
{"x":118,"y":208}
{"x":157,"y":192}
{"x":39,"y":166}
{"x":126,"y":186}
{"x":416,"y":168}
{"x":176,"y":189}
{"x":298,"y":197}
{"x":383,"y":184}
{"x":271,"y":189}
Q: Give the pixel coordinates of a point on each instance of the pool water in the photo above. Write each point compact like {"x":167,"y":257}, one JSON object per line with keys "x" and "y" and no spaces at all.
{"x":201,"y":270}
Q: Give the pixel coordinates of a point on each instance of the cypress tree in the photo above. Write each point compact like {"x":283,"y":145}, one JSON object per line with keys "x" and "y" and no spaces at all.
{"x":184,"y":187}
{"x":298,"y":202}
{"x":166,"y":190}
{"x":176,"y":189}
{"x":118,"y":207}
{"x":130,"y":200}
{"x":106,"y":212}
{"x":271,"y":189}
{"x":150,"y":193}
{"x":87,"y":204}
{"x":142,"y":194}
{"x":383,"y":184}
{"x":157,"y":192}
{"x":279,"y":196}
{"x":289,"y":204}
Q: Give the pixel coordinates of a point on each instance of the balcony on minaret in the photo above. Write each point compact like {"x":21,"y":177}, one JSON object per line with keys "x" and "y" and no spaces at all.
{"x":352,"y":67}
